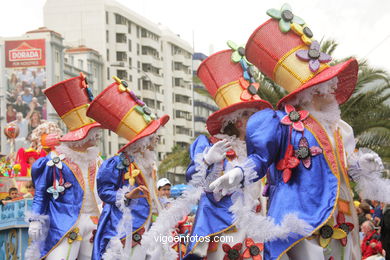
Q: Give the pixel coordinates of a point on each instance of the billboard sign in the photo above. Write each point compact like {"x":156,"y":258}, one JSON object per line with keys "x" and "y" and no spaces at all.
{"x":25,"y":53}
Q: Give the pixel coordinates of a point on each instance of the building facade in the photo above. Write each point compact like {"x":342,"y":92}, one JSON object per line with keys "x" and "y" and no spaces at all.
{"x":156,"y":63}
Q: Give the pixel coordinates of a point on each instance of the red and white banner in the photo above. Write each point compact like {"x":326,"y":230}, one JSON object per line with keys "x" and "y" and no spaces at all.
{"x":25,"y":53}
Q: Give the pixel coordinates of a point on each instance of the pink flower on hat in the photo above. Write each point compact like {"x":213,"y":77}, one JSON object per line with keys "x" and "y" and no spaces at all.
{"x":250,"y":90}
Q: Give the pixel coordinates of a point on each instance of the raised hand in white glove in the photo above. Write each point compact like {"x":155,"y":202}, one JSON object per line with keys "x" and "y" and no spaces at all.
{"x":228,"y":181}
{"x":217,"y":152}
{"x":35,"y":230}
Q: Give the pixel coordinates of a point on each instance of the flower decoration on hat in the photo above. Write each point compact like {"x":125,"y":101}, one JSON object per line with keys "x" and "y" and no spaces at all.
{"x":131,"y":174}
{"x":238,"y":53}
{"x":84,"y":84}
{"x":250,"y":90}
{"x":232,"y":253}
{"x":74,"y":235}
{"x":328,"y":232}
{"x":124,"y":161}
{"x":347,"y":227}
{"x":304,"y":153}
{"x":146,"y":112}
{"x":137,"y":237}
{"x":303,"y":31}
{"x":285,"y":17}
{"x":294,"y":117}
{"x":314,"y":56}
{"x":253,"y":250}
{"x":56,"y":161}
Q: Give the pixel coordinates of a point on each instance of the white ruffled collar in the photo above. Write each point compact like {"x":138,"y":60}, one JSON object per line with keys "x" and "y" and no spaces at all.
{"x":87,"y":157}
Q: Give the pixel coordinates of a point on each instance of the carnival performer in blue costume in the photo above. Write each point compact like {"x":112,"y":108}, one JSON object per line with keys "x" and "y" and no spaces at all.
{"x":305,"y":143}
{"x":66,"y":207}
{"x":125,"y":182}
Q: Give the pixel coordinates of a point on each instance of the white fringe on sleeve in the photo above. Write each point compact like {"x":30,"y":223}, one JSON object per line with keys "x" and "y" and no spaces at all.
{"x":33,"y":251}
{"x":114,"y":249}
{"x":181,"y":207}
{"x":368,"y":176}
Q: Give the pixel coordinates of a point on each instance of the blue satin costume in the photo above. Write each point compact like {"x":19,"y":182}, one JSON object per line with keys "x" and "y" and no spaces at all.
{"x":310,"y":193}
{"x":212,"y":217}
{"x":109,"y":181}
{"x":63,"y":212}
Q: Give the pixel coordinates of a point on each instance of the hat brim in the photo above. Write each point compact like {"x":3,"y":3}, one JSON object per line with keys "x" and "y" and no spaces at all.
{"x":347,"y":74}
{"x":215,"y":120}
{"x":79,"y":134}
{"x":150,"y":129}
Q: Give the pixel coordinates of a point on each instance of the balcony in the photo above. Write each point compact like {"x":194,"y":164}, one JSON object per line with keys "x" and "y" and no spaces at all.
{"x":150,"y":42}
{"x":183,"y":91}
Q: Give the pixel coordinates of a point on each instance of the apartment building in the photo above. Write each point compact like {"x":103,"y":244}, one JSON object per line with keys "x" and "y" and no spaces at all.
{"x":156,"y":62}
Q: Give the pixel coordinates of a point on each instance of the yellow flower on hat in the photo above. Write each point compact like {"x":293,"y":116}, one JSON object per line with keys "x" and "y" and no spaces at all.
{"x":329,"y":231}
{"x":74,"y":235}
{"x":303,"y":31}
{"x":131,"y":174}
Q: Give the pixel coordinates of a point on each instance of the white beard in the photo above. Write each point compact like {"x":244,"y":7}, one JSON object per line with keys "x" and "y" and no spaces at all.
{"x":87,"y":157}
{"x":145,"y":161}
{"x":329,"y":115}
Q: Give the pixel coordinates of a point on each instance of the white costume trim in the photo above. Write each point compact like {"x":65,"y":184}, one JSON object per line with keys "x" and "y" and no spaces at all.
{"x":33,"y":251}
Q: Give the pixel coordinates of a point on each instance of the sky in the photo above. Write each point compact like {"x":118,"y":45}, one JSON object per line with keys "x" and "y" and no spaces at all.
{"x":361,"y":27}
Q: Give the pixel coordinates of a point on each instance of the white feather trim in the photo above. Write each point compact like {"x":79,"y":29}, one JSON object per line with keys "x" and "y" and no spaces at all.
{"x":87,"y":157}
{"x":33,"y":251}
{"x":365,"y":168}
{"x":168,"y":218}
{"x":266,"y":229}
{"x":114,"y":249}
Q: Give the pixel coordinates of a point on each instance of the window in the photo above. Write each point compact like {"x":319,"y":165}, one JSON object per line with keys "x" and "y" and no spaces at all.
{"x":137,"y":31}
{"x":121,"y":56}
{"x":107,"y":36}
{"x":89,"y":67}
{"x":138,"y":65}
{"x":128,"y":27}
{"x":108,"y":73}
{"x":108,"y":54}
{"x":106,"y":17}
{"x":72,"y":60}
{"x":109,"y":147}
{"x":81,"y":64}
{"x":119,"y":19}
{"x":122,"y":74}
{"x":129,"y":45}
{"x":130,"y":63}
{"x":138,"y":49}
{"x":131,"y":78}
{"x":57,"y":57}
{"x":182,"y":99}
{"x":121,"y":38}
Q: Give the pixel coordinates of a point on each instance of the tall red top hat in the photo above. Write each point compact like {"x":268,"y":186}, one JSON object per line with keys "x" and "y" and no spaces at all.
{"x":118,"y":109}
{"x":283,"y":49}
{"x":226,"y":82}
{"x":70,"y":98}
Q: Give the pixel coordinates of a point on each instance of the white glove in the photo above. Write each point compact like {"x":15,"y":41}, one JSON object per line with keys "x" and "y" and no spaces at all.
{"x":217,"y":152}
{"x":226,"y":182}
{"x":35,"y":230}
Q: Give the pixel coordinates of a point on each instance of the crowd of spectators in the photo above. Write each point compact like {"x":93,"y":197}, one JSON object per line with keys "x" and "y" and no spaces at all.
{"x":26,"y":103}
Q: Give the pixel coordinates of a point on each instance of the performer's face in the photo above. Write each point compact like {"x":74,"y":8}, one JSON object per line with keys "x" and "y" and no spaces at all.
{"x":241,"y":123}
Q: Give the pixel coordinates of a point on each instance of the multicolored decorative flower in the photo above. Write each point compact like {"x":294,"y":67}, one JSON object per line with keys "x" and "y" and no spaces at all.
{"x":124,"y":161}
{"x":303,"y":31}
{"x":294,"y":117}
{"x":288,"y":163}
{"x":304,"y":153}
{"x":253,"y":250}
{"x":122,"y":85}
{"x":285,"y":17}
{"x":74,"y":235}
{"x":232,"y":253}
{"x":347,"y":227}
{"x":137,"y":237}
{"x":314,"y":56}
{"x":56,"y":161}
{"x":146,"y":112}
{"x":238,"y":52}
{"x":249,"y":90}
{"x":328,"y":232}
{"x":131,"y":174}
